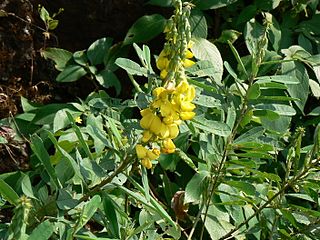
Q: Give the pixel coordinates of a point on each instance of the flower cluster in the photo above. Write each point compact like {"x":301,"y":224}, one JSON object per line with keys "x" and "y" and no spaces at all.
{"x":162,"y":119}
{"x":172,"y":102}
{"x":163,"y":62}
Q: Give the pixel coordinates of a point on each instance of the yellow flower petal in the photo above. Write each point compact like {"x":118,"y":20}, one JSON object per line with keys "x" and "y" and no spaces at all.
{"x":189,"y":54}
{"x":141,"y":151}
{"x":146,"y":163}
{"x":191,"y":93}
{"x":145,"y":112}
{"x":78,"y":120}
{"x":163,"y":74}
{"x":146,"y":120}
{"x":187,"y":106}
{"x":164,"y":131}
{"x":188,"y":63}
{"x":157,"y":91}
{"x":168,"y":146}
{"x":182,"y":87}
{"x":162,"y":63}
{"x":151,"y":155}
{"x":147,"y":135}
{"x":187,"y":115}
{"x":174,"y":131}
{"x":156,"y":151}
{"x":155,"y":125}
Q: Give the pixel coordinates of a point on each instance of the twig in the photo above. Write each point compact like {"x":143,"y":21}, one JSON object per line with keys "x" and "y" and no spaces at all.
{"x":107,"y":180}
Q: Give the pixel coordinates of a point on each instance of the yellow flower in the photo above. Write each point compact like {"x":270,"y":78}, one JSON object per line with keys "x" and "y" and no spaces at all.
{"x":147,"y":135}
{"x":150,"y":121}
{"x":146,"y":163}
{"x":182,"y":87}
{"x":152,"y":155}
{"x":146,"y":155}
{"x":162,"y":63}
{"x":188,"y":63}
{"x":189,"y":54}
{"x":164,"y":131}
{"x":157,"y":92}
{"x":191,"y":93}
{"x":141,"y":151}
{"x":78,"y":120}
{"x":173,"y":131}
{"x":163,"y":74}
{"x":168,"y":146}
{"x":156,"y":151}
{"x":187,"y":115}
{"x":187,"y":106}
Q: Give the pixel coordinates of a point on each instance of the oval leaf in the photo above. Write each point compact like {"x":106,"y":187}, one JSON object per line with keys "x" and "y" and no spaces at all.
{"x":145,"y":28}
{"x":71,"y":73}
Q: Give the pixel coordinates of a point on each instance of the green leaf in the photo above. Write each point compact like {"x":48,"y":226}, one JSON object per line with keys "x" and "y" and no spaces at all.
{"x":186,"y":159}
{"x":74,"y":165}
{"x":38,"y":148}
{"x":198,"y":24}
{"x":80,"y":57}
{"x":268,"y":114}
{"x":78,"y":132}
{"x":145,"y":28}
{"x":194,"y":188}
{"x":43,"y":231}
{"x":131,"y":67}
{"x":205,"y":50}
{"x":98,"y":50}
{"x":8,"y":193}
{"x":254,"y":91}
{"x":60,"y":56}
{"x":28,"y":106}
{"x":53,"y":24}
{"x":46,"y":114}
{"x":285,"y":79}
{"x":110,"y":213}
{"x":61,"y":120}
{"x":203,"y":68}
{"x":253,"y":33}
{"x":281,"y":109}
{"x":217,"y":222}
{"x":218,"y":128}
{"x":252,"y":135}
{"x":71,"y":73}
{"x":88,"y":210}
{"x":26,"y":186}
{"x":207,"y":101}
{"x":212,"y":4}
{"x":145,"y":183}
{"x":315,"y":88}
{"x":274,"y":31}
{"x":243,"y":186}
{"x":65,"y":201}
{"x":315,"y":112}
{"x":301,"y":90}
{"x":108,"y":79}
{"x":44,"y":14}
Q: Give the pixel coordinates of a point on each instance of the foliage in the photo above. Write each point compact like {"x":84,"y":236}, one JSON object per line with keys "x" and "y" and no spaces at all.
{"x":245,"y":166}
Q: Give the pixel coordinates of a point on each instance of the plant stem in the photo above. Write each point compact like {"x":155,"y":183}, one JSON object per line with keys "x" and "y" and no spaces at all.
{"x":217,"y":176}
{"x":107,"y":180}
{"x":134,"y":83}
{"x":285,"y":186}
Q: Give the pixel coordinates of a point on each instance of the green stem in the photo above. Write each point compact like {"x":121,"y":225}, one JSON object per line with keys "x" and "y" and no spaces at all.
{"x":107,"y":180}
{"x":266,"y":204}
{"x":135,"y":84}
